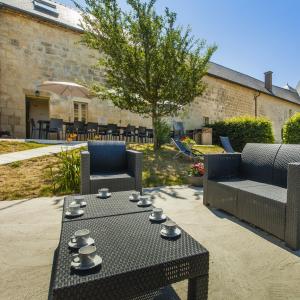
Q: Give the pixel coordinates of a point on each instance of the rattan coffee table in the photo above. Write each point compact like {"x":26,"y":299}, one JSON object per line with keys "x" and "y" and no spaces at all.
{"x":117,"y":204}
{"x":136,"y":261}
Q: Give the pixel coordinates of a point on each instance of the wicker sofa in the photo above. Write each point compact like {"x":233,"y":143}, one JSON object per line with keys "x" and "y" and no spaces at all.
{"x":261,"y":185}
{"x":108,"y":164}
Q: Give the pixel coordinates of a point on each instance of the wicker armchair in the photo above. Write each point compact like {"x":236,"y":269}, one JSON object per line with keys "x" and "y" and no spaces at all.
{"x":108,"y":164}
{"x":261,"y":185}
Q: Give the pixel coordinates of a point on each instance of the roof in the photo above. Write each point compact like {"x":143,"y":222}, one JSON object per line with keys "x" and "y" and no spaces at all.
{"x":66,"y":16}
{"x":222,"y":72}
{"x":70,"y":18}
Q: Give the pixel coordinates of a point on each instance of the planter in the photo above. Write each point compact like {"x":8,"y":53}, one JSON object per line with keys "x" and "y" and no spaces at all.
{"x":195,"y":180}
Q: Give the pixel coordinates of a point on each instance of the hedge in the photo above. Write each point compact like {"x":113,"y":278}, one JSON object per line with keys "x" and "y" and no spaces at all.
{"x":242,"y":130}
{"x":291,"y":130}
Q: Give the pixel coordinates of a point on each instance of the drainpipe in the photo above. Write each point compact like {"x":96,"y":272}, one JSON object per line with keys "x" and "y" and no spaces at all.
{"x":255,"y":96}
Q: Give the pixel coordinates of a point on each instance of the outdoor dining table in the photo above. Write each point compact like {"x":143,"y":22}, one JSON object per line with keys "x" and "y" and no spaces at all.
{"x":117,"y":204}
{"x":137,"y":261}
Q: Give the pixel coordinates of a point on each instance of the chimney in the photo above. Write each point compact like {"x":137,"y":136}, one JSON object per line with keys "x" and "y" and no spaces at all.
{"x":268,"y":80}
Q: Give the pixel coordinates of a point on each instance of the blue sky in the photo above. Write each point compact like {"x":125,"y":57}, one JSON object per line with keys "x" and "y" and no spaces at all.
{"x":253,"y":36}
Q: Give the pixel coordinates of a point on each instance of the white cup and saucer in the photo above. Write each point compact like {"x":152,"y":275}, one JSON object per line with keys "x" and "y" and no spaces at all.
{"x":170,"y":230}
{"x":144,"y":201}
{"x":135,"y":196}
{"x":74,"y":210}
{"x":86,"y":258}
{"x":80,"y":239}
{"x":103,"y":193}
{"x":157,"y":215}
{"x":79,"y":200}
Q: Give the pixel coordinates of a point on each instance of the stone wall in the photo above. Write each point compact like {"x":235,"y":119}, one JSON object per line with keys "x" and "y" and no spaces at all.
{"x":32,"y":52}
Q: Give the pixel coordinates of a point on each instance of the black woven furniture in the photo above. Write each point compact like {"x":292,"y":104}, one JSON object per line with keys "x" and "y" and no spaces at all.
{"x":129,"y":133}
{"x":261,"y":186}
{"x":91,"y":129}
{"x":136,"y":261}
{"x":55,"y":126}
{"x":117,"y":204}
{"x":80,"y":129}
{"x":108,"y":164}
{"x":113,"y":131}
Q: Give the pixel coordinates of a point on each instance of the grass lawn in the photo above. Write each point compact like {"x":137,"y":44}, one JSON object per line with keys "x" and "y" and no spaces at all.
{"x":13,"y":146}
{"x":31,"y":178}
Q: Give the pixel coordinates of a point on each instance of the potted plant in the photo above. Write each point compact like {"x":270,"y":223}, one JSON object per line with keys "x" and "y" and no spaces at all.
{"x":195,"y":174}
{"x":188,"y":142}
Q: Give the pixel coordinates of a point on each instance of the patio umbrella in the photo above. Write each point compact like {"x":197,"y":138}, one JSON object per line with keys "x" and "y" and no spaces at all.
{"x":65,"y":88}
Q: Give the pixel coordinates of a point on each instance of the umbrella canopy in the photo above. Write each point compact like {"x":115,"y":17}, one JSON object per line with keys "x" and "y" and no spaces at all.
{"x":65,"y":88}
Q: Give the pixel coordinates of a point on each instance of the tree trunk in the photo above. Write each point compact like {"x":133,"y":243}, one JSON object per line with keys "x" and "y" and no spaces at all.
{"x":155,"y":141}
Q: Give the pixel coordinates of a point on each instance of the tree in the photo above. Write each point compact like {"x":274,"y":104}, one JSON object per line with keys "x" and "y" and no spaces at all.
{"x":152,"y":67}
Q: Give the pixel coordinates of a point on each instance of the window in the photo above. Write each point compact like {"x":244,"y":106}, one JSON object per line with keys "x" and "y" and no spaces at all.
{"x":80,"y":111}
{"x":205,"y":120}
{"x":45,"y":6}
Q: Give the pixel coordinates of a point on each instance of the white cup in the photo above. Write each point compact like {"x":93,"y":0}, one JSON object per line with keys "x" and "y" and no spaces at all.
{"x":87,"y":254}
{"x":103,"y":192}
{"x":81,"y":237}
{"x":170,"y":227}
{"x":135,"y":195}
{"x":74,"y":208}
{"x":78,"y":200}
{"x":145,"y":199}
{"x":157,"y":213}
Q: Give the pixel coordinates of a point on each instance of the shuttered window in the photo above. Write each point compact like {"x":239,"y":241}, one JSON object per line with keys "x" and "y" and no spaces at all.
{"x":80,"y":111}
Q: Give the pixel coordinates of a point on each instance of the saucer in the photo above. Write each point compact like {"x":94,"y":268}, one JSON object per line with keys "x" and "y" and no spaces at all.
{"x":164,"y":233}
{"x":80,"y":213}
{"x":163,"y":218}
{"x":102,"y":197}
{"x":74,"y":245}
{"x":78,"y":266}
{"x":141,"y":204}
{"x":82,"y":204}
{"x":134,"y":200}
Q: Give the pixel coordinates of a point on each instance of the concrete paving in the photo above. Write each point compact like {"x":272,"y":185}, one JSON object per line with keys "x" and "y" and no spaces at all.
{"x":245,"y":262}
{"x":8,"y":158}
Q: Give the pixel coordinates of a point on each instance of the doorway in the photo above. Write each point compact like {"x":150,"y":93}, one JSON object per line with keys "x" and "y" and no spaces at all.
{"x":37,"y":108}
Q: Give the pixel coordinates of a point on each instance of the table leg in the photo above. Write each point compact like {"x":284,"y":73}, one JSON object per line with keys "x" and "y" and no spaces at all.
{"x":198,"y":288}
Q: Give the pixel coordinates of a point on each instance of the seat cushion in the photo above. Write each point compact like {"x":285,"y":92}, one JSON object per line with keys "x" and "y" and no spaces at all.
{"x":115,"y":181}
{"x":110,"y":175}
{"x":264,"y":206}
{"x":108,"y":156}
{"x":257,"y":161}
{"x":223,"y":193}
{"x":286,"y":154}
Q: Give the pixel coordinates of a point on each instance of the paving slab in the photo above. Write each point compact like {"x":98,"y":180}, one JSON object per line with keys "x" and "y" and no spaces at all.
{"x":8,"y":158}
{"x":245,"y":262}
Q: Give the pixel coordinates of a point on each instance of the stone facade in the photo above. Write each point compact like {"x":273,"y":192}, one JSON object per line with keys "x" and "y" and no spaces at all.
{"x":32,"y":51}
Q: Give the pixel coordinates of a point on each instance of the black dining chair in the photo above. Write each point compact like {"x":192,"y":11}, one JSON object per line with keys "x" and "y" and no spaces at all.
{"x":150,"y":134}
{"x":113,"y":131}
{"x":80,"y":129}
{"x":34,"y":129}
{"x":91,"y":129}
{"x":142,"y":134}
{"x":102,"y":131}
{"x":129,"y":133}
{"x":55,"y":126}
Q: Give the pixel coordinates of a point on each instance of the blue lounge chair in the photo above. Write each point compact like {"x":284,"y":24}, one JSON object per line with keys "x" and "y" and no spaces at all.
{"x":183,"y":150}
{"x":226,"y":144}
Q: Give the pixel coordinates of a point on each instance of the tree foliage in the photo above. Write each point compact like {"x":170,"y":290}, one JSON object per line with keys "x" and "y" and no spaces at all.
{"x":291,"y":130}
{"x":152,"y":66}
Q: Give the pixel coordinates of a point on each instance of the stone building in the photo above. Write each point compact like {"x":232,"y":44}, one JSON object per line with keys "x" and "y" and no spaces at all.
{"x":39,"y":41}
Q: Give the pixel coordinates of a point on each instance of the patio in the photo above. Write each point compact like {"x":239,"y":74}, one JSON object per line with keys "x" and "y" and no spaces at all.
{"x":244,"y":261}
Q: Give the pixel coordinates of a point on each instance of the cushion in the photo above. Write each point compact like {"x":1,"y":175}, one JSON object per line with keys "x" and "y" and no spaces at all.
{"x":286,"y":154}
{"x":108,"y":156}
{"x":110,"y":175}
{"x":257,"y":161}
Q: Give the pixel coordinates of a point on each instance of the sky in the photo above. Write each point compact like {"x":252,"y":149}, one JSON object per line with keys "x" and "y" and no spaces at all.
{"x":253,"y":36}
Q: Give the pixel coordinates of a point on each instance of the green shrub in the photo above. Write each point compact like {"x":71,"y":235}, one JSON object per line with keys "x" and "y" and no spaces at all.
{"x":66,"y":175}
{"x":242,"y":130}
{"x":291,"y":130}
{"x":163,"y":132}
